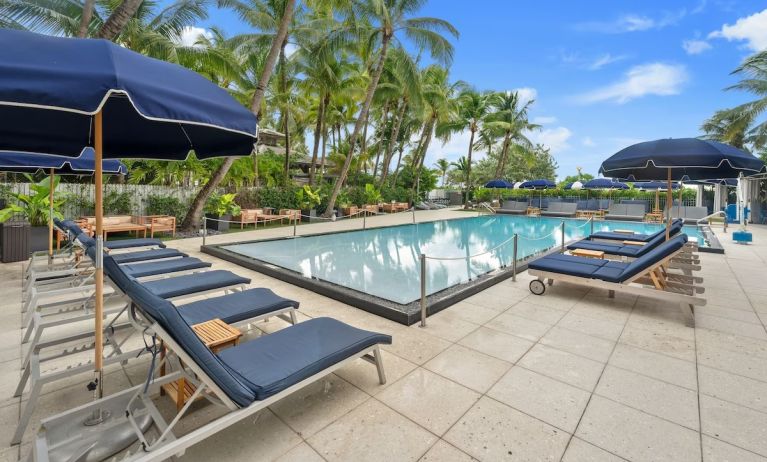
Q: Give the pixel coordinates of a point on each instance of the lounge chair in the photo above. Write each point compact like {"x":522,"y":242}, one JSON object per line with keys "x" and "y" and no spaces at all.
{"x":645,"y":276}
{"x":513,"y":207}
{"x":693,"y":214}
{"x":626,"y":212}
{"x":626,"y":248}
{"x":560,"y":209}
{"x":630,"y":236}
{"x":243,"y":379}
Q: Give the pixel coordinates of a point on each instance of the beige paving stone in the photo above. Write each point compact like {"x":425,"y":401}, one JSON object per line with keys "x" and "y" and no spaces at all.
{"x":652,"y":396}
{"x":561,"y":365}
{"x":557,"y":296}
{"x":372,"y":432}
{"x":444,"y":452}
{"x":497,"y":344}
{"x":472,"y":313}
{"x":749,"y":365}
{"x":746,"y":329}
{"x":715,"y":450}
{"x":468,"y":367}
{"x":9,"y":417}
{"x":519,"y":326}
{"x":659,"y":343}
{"x":301,"y":453}
{"x":587,"y":325}
{"x":577,"y":343}
{"x":743,"y":315}
{"x":540,"y":313}
{"x":10,"y":454}
{"x":493,"y":431}
{"x":310,"y":409}
{"x":447,"y":325}
{"x":554,"y":402}
{"x":416,"y":346}
{"x":430,"y":400}
{"x":363,"y":375}
{"x":635,"y":435}
{"x":734,"y":388}
{"x":581,"y":451}
{"x":734,"y":424}
{"x":497,"y":300}
{"x":714,"y":340}
{"x":656,"y":365}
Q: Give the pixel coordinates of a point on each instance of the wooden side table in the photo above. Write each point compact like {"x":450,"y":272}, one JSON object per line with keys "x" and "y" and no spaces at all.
{"x":654,"y":217}
{"x":533,"y":211}
{"x":588,"y":253}
{"x":216,"y":335}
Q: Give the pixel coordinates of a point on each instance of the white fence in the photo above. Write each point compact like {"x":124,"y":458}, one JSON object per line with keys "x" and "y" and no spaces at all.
{"x":78,"y":194}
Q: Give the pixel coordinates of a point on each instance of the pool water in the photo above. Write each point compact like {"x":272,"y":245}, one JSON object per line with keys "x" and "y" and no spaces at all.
{"x":384,"y":262}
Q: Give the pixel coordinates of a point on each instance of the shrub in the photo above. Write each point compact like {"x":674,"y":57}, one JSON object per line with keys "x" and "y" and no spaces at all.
{"x":166,"y":205}
{"x":118,"y":203}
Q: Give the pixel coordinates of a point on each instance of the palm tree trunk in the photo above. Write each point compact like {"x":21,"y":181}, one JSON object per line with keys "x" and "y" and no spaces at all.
{"x":422,"y":156}
{"x":119,"y":18}
{"x":85,"y":18}
{"x":399,"y":161}
{"x":382,"y":132}
{"x":317,"y":133}
{"x":392,"y":140}
{"x":324,"y":145}
{"x":285,"y":113}
{"x":468,"y":169}
{"x":502,"y":159}
{"x":358,"y":126}
{"x":192,"y":219}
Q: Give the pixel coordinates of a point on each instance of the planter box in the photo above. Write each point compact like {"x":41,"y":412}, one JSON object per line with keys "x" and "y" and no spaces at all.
{"x":309,"y":215}
{"x":38,"y":238}
{"x":218,"y":225}
{"x":349,"y":211}
{"x":14,"y":240}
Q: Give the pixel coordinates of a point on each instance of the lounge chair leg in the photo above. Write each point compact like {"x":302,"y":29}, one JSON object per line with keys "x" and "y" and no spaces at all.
{"x":379,"y":365}
{"x":689,"y":311}
{"x":293,"y":318}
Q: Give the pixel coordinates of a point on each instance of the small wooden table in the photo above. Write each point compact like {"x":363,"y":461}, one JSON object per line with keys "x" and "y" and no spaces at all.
{"x":596,"y":214}
{"x":654,"y":217}
{"x":588,"y":253}
{"x":534,"y":211}
{"x":216,"y":335}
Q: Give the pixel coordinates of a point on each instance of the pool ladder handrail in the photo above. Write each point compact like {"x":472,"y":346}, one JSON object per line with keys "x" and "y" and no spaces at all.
{"x":483,"y":205}
{"x":711,"y":215}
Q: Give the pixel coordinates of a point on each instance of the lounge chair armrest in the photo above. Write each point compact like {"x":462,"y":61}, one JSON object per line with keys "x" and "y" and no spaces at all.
{"x":637,"y":243}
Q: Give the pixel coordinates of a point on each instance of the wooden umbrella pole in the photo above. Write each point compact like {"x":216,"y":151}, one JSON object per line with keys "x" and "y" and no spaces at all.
{"x":657,"y":200}
{"x":98,"y":147}
{"x":50,"y":219}
{"x":669,"y":203}
{"x":681,"y":188}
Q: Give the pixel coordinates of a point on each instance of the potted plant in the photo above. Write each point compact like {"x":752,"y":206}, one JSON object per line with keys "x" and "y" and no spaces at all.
{"x":221,"y":207}
{"x":372,"y":195}
{"x":346,"y":205}
{"x":308,"y":199}
{"x":34,"y":208}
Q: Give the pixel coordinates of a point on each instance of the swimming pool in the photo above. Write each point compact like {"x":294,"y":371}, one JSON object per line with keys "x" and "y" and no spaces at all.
{"x":384,"y":262}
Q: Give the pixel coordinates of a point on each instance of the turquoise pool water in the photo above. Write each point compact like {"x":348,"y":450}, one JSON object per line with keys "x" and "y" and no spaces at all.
{"x":384,"y":262}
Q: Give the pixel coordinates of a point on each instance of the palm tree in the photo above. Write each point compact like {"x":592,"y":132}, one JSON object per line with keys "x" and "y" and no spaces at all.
{"x":390,"y":19}
{"x":462,"y":166}
{"x":511,"y":119}
{"x":443,"y":166}
{"x":473,"y":109}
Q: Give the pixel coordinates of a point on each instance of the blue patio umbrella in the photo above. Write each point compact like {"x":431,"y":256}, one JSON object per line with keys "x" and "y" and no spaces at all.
{"x":538,"y":184}
{"x":657,"y":186}
{"x":59,"y":95}
{"x":499,"y":184}
{"x":85,"y":164}
{"x":604,"y":183}
{"x":576,"y":185}
{"x":680,"y":159}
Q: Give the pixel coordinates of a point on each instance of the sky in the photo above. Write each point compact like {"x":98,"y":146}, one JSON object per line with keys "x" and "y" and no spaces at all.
{"x":603,"y":74}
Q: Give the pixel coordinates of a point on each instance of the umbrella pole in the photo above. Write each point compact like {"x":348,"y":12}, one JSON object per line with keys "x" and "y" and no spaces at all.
{"x":681,"y":188}
{"x":50,"y":220}
{"x":97,"y":385}
{"x":657,"y":200}
{"x":669,"y":201}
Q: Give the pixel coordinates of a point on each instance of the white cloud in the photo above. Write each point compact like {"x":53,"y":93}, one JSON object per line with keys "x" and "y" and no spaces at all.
{"x":588,"y":142}
{"x":526,"y":94}
{"x":457,"y":146}
{"x":604,"y":60}
{"x":542,"y":120}
{"x":752,"y":29}
{"x":633,"y":23}
{"x":554,"y":138}
{"x":190,"y":35}
{"x":695,"y":47}
{"x":646,"y":79}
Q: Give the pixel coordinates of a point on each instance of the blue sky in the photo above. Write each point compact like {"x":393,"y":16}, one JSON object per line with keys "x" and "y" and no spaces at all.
{"x":604,"y":74}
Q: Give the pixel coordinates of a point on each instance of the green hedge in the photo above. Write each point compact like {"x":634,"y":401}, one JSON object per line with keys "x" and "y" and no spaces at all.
{"x":486,"y":194}
{"x":166,"y":205}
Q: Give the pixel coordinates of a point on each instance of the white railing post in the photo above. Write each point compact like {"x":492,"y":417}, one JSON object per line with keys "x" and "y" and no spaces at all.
{"x":295,"y":225}
{"x":204,"y":228}
{"x":423,"y":290}
{"x":592,"y":226}
{"x":514,"y":260}
{"x":563,"y":236}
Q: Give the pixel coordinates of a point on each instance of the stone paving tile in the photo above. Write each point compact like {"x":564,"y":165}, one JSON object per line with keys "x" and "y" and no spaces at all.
{"x":363,"y":375}
{"x":660,"y":343}
{"x":715,"y":450}
{"x":561,"y":365}
{"x":635,"y":435}
{"x":422,"y":396}
{"x":468,"y":367}
{"x":656,"y":365}
{"x":734,"y":388}
{"x":660,"y":399}
{"x":587,"y":325}
{"x":493,"y":431}
{"x":416,"y":346}
{"x":727,"y":313}
{"x":749,"y":365}
{"x":746,"y":329}
{"x":444,"y":452}
{"x":539,"y":313}
{"x":372,"y":432}
{"x":519,"y":326}
{"x":581,"y":451}
{"x":553,"y":402}
{"x":497,"y":344}
{"x":447,"y":325}
{"x":472,"y":313}
{"x":734,"y":424}
{"x":301,"y":453}
{"x":577,"y":343}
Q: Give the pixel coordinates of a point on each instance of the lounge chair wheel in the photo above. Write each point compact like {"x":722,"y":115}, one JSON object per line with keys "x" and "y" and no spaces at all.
{"x":537,"y":287}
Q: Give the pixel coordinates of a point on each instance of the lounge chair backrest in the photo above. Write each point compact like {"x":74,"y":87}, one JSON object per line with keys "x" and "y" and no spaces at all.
{"x":653,"y":256}
{"x":167,"y":316}
{"x":635,"y":210}
{"x":617,"y":209}
{"x":86,"y":241}
{"x":695,"y":213}
{"x":582,"y":204}
{"x":555,"y":207}
{"x":568,"y":207}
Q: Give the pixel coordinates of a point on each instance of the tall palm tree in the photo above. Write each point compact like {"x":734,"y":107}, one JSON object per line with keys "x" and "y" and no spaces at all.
{"x":443,"y":166}
{"x":462,"y":166}
{"x":473,"y":109}
{"x":390,"y":18}
{"x":510,"y":117}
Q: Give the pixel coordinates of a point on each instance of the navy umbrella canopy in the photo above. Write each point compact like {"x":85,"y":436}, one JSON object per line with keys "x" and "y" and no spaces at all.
{"x":538,"y":184}
{"x":150,"y":108}
{"x":604,"y":183}
{"x":682,"y":158}
{"x":654,"y":185}
{"x":85,"y":164}
{"x":499,"y":184}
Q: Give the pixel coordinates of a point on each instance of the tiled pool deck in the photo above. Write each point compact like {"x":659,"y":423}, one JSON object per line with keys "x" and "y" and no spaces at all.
{"x":503,"y":375}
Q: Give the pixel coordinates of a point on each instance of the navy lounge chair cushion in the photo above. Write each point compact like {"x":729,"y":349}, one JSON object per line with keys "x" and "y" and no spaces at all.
{"x":654,"y":256}
{"x":155,"y":268}
{"x":193,"y":283}
{"x":567,"y":264}
{"x":236,"y":307}
{"x":128,"y":243}
{"x":274,"y":362}
{"x":145,"y":255}
{"x":634,"y":251}
{"x":677,"y":223}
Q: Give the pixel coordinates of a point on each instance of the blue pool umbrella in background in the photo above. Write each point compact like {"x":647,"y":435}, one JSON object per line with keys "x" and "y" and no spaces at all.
{"x":680,"y":159}
{"x":575,"y":186}
{"x":604,"y":183}
{"x":60,"y":95}
{"x":84,"y":164}
{"x":538,"y":184}
{"x":499,"y":184}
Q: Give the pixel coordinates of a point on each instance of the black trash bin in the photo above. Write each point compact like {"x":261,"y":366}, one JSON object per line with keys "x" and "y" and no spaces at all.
{"x":14,"y":241}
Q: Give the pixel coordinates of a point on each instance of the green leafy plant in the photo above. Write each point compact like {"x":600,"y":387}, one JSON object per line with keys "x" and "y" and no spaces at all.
{"x":34,"y":207}
{"x":166,"y":205}
{"x":308,"y":198}
{"x":372,"y":194}
{"x":222,"y":204}
{"x":118,"y":203}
